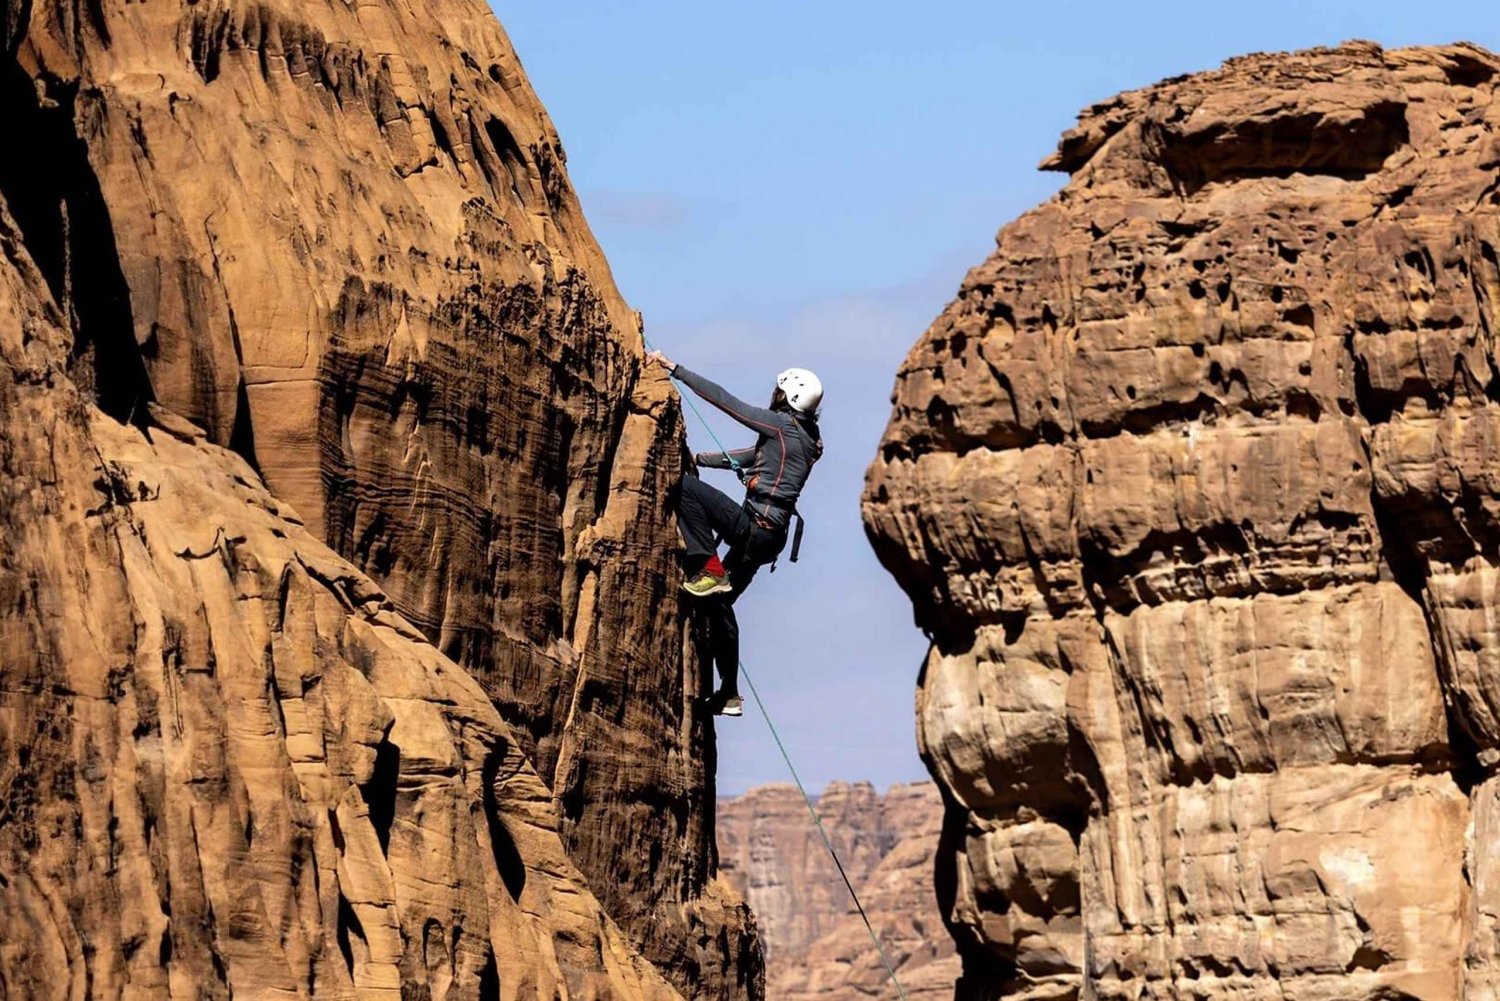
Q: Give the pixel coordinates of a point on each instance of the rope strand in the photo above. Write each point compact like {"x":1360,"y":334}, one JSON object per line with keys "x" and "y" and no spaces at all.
{"x":827,"y":842}
{"x":733,"y":463}
{"x":811,"y":809}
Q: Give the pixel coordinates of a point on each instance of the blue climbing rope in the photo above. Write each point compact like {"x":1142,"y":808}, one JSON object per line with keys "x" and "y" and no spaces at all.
{"x":827,"y":842}
{"x":733,"y":462}
{"x":785,"y":756}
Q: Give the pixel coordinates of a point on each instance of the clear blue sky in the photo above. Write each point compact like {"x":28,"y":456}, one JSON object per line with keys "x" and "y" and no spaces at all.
{"x":793,"y":183}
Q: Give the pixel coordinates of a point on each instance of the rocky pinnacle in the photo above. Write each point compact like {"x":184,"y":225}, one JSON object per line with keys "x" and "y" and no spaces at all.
{"x":1194,"y":488}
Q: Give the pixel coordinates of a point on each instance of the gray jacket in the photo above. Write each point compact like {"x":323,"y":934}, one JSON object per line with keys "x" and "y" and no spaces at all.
{"x":777,"y":465}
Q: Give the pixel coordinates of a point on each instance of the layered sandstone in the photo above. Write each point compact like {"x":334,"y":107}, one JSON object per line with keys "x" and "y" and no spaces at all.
{"x":340,"y":239}
{"x":1193,"y":488}
{"x":230,"y":767}
{"x":816,"y":946}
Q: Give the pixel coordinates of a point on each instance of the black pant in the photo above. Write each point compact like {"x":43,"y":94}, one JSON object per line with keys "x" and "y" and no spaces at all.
{"x":706,"y":515}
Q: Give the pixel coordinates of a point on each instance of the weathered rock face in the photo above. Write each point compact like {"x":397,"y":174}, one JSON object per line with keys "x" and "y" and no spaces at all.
{"x":817,"y":948}
{"x":1193,"y":488}
{"x":340,"y":238}
{"x":770,"y":850}
{"x":228,"y":765}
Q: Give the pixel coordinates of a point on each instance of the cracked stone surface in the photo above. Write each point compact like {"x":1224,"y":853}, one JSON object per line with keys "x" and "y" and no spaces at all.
{"x":1193,"y":489}
{"x":340,"y":239}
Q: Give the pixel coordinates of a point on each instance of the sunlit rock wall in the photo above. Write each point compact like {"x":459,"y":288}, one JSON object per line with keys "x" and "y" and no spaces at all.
{"x":1193,"y":487}
{"x":341,"y":239}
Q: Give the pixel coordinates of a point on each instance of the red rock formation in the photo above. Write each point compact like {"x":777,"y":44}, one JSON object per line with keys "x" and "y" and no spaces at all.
{"x":340,"y":238}
{"x":1191,"y":488}
{"x":817,"y":948}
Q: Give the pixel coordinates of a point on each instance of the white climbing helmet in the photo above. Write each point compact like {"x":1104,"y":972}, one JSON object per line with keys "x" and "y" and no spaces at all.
{"x":804,"y":391}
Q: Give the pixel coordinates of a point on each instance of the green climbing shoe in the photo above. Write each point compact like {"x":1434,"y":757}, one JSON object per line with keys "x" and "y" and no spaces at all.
{"x":721,"y":704}
{"x":705,"y":584}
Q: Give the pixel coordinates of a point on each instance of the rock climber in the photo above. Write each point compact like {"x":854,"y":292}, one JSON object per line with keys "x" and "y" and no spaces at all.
{"x":774,"y":470}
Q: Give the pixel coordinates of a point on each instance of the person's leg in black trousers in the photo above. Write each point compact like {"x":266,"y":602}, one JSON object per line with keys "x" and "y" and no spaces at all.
{"x":744,"y":560}
{"x":706,"y":515}
{"x":724,"y":641}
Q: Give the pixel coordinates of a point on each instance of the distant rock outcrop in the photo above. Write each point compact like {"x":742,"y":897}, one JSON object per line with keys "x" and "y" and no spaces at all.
{"x":338,"y":238}
{"x":817,"y":948}
{"x":1194,"y":488}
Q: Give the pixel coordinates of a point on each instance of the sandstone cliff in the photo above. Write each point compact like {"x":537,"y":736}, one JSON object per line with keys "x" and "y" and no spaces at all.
{"x":817,"y":948}
{"x":340,"y":239}
{"x":229,"y":766}
{"x":1193,"y":487}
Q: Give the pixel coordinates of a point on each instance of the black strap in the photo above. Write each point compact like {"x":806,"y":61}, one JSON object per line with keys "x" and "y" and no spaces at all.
{"x":797,"y":535}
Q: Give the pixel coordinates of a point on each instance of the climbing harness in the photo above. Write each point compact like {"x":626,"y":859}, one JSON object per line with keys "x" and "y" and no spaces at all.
{"x":811,"y":809}
{"x":734,"y":464}
{"x":796,"y":538}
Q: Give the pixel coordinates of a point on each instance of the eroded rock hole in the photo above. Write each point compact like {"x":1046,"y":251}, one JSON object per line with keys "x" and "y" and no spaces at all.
{"x":489,"y":978}
{"x":379,"y":791}
{"x":1367,"y":957}
{"x":242,"y":435}
{"x":508,"y":860}
{"x":1466,"y":71}
{"x":55,"y":198}
{"x":1301,"y":316}
{"x":349,"y":931}
{"x":441,"y":137}
{"x":941,"y":415}
{"x":373,"y":550}
{"x":1283,"y":145}
{"x":512,"y":160}
{"x":559,"y":433}
{"x":1303,"y":405}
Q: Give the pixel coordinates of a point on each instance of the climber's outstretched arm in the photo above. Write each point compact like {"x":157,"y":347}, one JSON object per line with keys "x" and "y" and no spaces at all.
{"x":755,"y":418}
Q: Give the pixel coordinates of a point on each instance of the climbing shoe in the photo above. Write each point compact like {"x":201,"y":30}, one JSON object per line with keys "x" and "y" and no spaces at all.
{"x":704,"y":584}
{"x":723,"y":705}
{"x":719,"y":704}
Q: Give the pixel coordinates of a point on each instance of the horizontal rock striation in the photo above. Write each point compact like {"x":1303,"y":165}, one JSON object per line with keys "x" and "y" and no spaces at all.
{"x":340,"y":239}
{"x":1192,"y":488}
